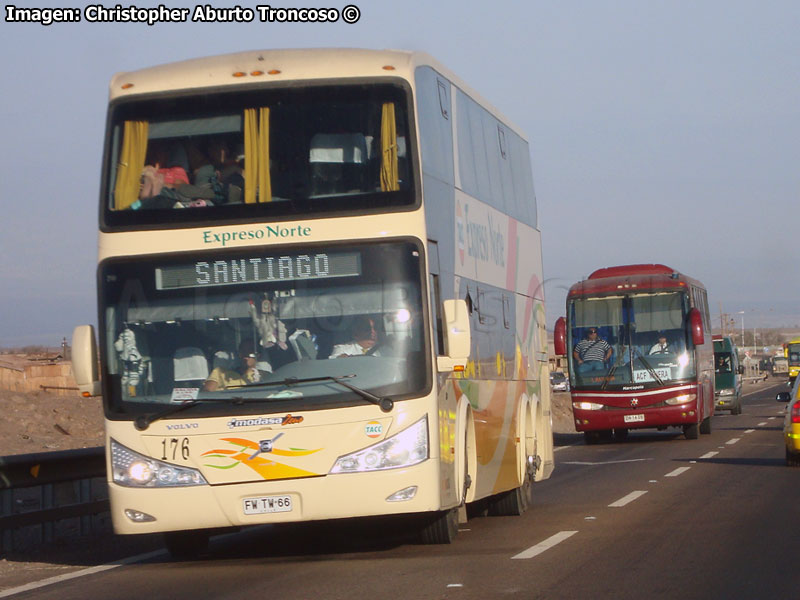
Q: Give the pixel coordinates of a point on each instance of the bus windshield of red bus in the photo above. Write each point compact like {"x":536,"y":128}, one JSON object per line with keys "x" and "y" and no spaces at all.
{"x":631,"y":341}
{"x":265,"y":153}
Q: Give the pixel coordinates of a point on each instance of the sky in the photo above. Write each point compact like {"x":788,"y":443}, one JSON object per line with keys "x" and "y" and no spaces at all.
{"x":664,"y":131}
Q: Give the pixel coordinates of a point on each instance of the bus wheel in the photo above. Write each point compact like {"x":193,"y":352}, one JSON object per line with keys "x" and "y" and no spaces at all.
{"x":186,"y":544}
{"x":511,"y":503}
{"x":691,"y":431}
{"x":705,"y":426}
{"x":792,"y":459}
{"x":440,"y":528}
{"x":591,"y":437}
{"x":737,"y":410}
{"x":621,"y":434}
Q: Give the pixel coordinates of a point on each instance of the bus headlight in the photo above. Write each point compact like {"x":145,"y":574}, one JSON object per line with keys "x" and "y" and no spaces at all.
{"x":682,"y":399}
{"x":409,"y":447}
{"x":587,"y":405}
{"x":132,"y":469}
{"x":725,"y":392}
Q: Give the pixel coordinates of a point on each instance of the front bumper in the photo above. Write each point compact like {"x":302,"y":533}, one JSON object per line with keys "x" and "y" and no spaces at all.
{"x":314,"y":498}
{"x":617,"y":418}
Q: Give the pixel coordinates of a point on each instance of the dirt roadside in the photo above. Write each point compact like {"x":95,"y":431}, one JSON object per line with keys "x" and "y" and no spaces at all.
{"x":44,"y":422}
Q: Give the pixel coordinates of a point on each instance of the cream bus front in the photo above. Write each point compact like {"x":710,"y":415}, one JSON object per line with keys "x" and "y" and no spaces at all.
{"x":254,"y":386}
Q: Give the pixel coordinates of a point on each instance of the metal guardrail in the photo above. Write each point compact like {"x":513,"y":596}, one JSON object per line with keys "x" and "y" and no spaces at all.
{"x":49,"y":494}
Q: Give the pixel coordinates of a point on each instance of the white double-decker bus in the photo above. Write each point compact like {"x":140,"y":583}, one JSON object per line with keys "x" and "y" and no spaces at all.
{"x":320,"y":297}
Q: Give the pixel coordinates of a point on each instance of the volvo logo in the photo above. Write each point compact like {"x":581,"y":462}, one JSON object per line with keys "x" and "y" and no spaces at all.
{"x":265,"y":446}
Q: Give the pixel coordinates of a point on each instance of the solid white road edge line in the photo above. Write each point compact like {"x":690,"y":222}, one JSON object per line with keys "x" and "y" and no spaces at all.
{"x":545,"y":545}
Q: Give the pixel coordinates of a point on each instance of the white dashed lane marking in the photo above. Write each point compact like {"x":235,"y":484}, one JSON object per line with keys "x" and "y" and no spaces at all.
{"x":732,"y":441}
{"x":627,"y":499}
{"x":677,"y":471}
{"x":545,"y":545}
{"x":709,"y":455}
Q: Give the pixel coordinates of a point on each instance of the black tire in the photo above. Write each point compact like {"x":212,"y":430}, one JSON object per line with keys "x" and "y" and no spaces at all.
{"x":186,"y":545}
{"x":692,"y":432}
{"x":591,"y":437}
{"x":621,"y":434}
{"x":737,"y":410}
{"x":792,"y":459}
{"x":511,"y":503}
{"x":705,"y":426}
{"x":440,"y":528}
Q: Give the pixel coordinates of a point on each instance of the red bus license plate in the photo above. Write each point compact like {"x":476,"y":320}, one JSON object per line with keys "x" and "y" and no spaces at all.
{"x":637,"y":418}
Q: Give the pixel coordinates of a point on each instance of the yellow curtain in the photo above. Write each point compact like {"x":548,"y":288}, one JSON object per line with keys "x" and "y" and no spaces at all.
{"x":250,"y":155}
{"x":256,"y":156}
{"x":264,"y":181}
{"x":131,"y":163}
{"x":389,"y":173}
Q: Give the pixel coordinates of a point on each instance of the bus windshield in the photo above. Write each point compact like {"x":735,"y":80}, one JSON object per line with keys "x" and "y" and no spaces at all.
{"x":259,"y":153}
{"x":793,"y":354}
{"x":629,"y":340}
{"x":254,"y":326}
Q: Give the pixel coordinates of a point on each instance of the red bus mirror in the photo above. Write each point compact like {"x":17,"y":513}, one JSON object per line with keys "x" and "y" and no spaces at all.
{"x":696,"y":323}
{"x":560,"y":337}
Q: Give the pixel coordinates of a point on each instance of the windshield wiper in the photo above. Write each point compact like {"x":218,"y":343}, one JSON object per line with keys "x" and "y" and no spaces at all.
{"x":385,"y":404}
{"x":142,"y":422}
{"x":650,"y":369}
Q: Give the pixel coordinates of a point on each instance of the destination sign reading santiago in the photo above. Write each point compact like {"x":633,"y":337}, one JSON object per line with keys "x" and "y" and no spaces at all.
{"x":257,"y":269}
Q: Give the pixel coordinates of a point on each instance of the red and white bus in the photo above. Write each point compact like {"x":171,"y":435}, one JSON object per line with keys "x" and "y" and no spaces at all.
{"x":640,"y":355}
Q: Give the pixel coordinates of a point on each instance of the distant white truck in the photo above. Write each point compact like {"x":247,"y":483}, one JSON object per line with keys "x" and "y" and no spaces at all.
{"x":780,"y":365}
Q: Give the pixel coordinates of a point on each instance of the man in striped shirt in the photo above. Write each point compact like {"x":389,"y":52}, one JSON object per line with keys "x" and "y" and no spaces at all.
{"x":591,"y":353}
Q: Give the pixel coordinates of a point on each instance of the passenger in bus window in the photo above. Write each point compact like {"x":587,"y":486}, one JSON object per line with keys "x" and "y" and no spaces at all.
{"x":661,"y":347}
{"x":592,"y":352}
{"x":365,"y":338}
{"x":221,"y":377}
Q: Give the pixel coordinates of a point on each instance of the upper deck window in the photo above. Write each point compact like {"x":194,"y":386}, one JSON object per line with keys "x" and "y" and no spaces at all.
{"x":276,"y":152}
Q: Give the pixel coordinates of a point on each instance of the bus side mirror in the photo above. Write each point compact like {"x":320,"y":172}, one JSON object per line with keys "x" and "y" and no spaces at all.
{"x":783,"y":397}
{"x":560,"y":337}
{"x":84,"y":361}
{"x":457,"y":339}
{"x":696,"y":325}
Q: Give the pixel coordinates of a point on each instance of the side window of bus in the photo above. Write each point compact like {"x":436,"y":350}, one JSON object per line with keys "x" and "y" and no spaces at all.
{"x":435,"y":127}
